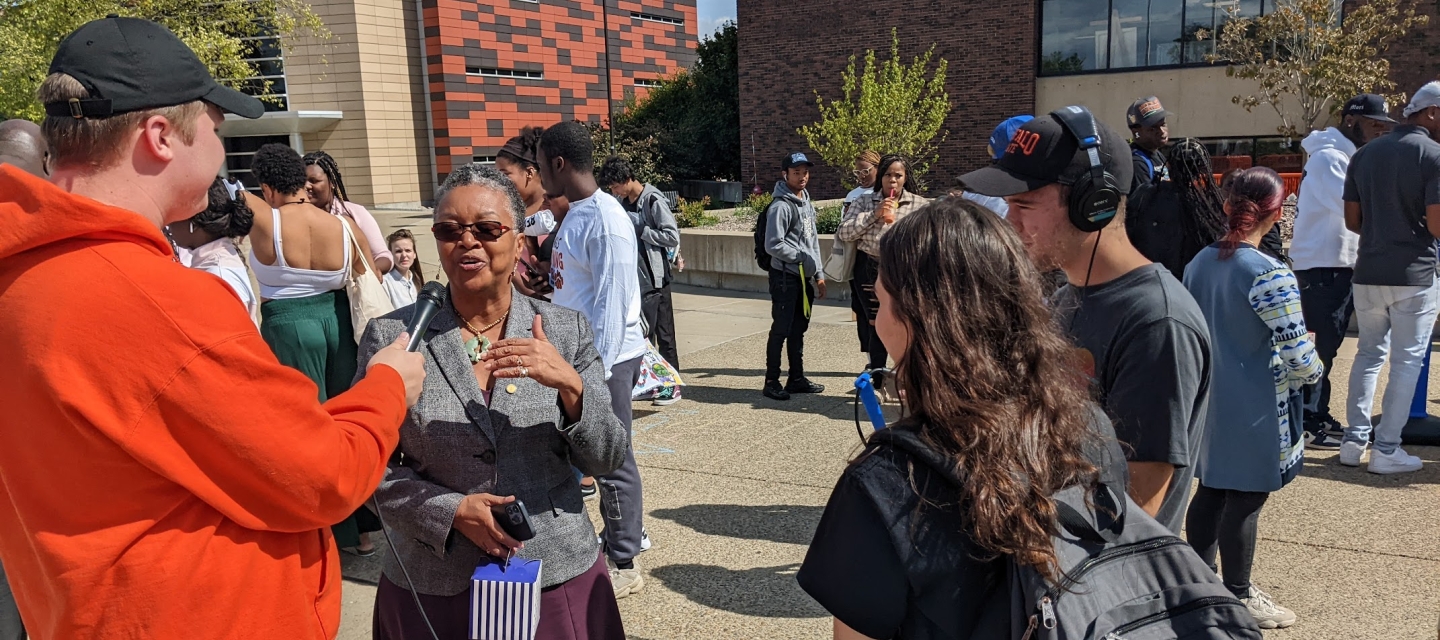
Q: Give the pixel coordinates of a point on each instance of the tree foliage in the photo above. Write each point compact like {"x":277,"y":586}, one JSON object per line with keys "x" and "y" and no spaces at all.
{"x":31,"y":31}
{"x":694,"y":116}
{"x":888,"y":106}
{"x":1307,"y":62}
{"x":642,"y":152}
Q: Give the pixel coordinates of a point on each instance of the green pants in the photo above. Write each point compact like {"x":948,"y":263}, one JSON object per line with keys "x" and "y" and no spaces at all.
{"x":313,"y":335}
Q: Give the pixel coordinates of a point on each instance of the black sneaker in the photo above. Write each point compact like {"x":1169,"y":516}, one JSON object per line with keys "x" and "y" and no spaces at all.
{"x":1333,"y":428}
{"x":774,"y":391}
{"x":1321,"y":441}
{"x":804,"y":385}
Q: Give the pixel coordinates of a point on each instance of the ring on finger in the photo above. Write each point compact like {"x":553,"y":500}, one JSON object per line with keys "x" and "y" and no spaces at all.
{"x":520,"y":360}
{"x":524,"y":373}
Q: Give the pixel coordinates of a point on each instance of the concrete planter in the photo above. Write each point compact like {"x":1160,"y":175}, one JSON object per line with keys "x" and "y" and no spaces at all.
{"x":726,"y":260}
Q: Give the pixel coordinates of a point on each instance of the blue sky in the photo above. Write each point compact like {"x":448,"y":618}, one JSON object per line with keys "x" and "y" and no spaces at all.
{"x":713,"y":13}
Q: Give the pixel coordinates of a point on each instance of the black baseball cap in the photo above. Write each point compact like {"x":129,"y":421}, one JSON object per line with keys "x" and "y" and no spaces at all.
{"x":794,"y":160}
{"x":129,"y":64}
{"x":1368,"y":105}
{"x":1044,"y":152}
{"x":1145,"y":112}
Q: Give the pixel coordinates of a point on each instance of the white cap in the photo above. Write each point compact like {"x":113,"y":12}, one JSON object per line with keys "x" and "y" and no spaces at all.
{"x":1428,"y":96}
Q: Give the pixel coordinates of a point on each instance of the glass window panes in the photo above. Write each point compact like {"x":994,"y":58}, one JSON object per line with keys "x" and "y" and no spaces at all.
{"x":1096,"y":35}
{"x":1074,"y":35}
{"x":239,"y":151}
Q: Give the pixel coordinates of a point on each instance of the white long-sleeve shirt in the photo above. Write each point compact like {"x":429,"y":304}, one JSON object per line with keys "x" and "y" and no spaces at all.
{"x":594,"y":271}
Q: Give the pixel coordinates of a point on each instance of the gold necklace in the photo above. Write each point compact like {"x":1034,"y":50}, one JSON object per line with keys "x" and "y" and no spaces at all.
{"x":478,"y":345}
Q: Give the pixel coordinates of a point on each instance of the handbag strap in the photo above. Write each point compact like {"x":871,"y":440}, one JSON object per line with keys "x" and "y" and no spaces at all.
{"x":360,"y":251}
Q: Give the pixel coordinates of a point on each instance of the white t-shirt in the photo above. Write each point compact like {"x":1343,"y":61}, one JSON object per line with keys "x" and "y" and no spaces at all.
{"x":221,"y":259}
{"x":401,"y":288}
{"x":991,"y":202}
{"x":593,"y":269}
{"x":540,"y":223}
{"x":856,"y":193}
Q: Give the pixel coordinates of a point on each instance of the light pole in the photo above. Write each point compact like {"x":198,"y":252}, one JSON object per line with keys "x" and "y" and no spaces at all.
{"x":609,"y":90}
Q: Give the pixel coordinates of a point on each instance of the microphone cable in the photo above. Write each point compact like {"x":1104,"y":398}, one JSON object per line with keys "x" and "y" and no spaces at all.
{"x":385,"y":529}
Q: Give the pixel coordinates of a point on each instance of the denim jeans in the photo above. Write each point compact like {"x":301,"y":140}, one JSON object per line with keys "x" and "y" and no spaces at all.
{"x":1325,"y":297}
{"x":1388,"y":315}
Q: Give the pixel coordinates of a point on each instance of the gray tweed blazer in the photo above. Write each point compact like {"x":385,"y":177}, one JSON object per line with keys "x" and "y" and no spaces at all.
{"x":452,"y":444}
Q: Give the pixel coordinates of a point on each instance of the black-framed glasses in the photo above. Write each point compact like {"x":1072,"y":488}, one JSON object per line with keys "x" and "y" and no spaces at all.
{"x":485,"y":230}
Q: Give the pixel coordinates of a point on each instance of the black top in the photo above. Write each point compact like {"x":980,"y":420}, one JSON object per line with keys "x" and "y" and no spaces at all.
{"x":1154,"y":220}
{"x":891,"y":558}
{"x":1154,"y":171}
{"x":1394,"y":178}
{"x":1149,"y":350}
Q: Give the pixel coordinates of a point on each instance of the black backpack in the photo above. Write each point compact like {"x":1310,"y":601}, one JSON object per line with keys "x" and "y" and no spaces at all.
{"x":762,"y":257}
{"x":1126,"y":577}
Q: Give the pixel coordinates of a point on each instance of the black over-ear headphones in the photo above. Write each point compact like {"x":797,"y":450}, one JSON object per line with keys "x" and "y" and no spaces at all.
{"x":1095,"y":196}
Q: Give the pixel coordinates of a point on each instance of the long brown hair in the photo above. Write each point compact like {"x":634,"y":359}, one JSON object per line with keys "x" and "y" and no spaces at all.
{"x":988,"y":376}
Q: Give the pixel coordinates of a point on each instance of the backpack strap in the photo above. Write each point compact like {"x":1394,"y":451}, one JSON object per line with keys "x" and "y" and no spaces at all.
{"x":1149,"y":164}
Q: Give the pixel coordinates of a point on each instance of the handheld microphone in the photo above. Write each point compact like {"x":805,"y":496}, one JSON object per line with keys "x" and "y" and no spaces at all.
{"x":427,"y":304}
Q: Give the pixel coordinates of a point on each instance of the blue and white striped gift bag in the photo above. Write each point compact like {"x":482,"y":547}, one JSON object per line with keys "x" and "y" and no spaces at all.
{"x":505,"y":600}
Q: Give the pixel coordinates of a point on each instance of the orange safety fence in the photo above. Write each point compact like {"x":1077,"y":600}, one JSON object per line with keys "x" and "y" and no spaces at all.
{"x":1292,"y":182}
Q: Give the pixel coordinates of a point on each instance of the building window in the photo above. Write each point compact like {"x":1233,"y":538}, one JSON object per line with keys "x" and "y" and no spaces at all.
{"x":263,"y":52}
{"x":490,"y":160}
{"x":656,"y":18}
{"x":505,"y":73}
{"x":647,"y":83}
{"x":239,"y":150}
{"x":1078,"y":36}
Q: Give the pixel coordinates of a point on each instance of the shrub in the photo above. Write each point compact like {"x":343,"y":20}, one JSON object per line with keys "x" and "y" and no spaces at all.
{"x":827,"y":219}
{"x":753,"y":205}
{"x":693,"y":214}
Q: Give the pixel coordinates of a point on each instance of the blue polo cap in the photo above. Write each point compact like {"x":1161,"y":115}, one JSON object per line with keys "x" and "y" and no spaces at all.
{"x":1000,"y":137}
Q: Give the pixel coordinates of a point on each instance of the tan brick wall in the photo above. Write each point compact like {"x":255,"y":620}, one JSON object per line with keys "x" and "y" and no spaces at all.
{"x":370,"y":70}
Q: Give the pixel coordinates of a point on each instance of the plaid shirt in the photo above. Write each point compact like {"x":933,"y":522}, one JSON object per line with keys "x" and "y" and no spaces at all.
{"x":862,"y":224}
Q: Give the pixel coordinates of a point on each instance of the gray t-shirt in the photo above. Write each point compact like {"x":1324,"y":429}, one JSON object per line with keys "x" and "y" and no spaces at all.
{"x":1394,"y":178}
{"x":1151,"y":361}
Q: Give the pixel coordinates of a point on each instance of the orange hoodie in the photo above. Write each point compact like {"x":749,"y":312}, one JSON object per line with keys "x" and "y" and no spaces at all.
{"x":162,"y":475}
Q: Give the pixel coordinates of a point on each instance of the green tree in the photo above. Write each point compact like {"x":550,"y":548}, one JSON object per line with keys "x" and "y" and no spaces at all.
{"x":31,"y":31}
{"x":642,"y":152}
{"x":889,"y":106}
{"x":1307,"y":61}
{"x":694,"y":116}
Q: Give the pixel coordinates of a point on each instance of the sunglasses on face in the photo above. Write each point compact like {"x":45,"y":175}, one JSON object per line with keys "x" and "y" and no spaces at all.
{"x":485,"y":231}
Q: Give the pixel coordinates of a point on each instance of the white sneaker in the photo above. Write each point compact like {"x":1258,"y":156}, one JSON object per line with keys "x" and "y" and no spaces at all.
{"x":625,"y":581}
{"x":1268,"y":615}
{"x":1398,"y":462}
{"x":1351,"y":453}
{"x":644,"y":540}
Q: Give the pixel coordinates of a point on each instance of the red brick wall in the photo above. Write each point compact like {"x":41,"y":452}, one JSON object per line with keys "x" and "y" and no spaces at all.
{"x":474,"y":115}
{"x":1413,"y":58}
{"x":788,"y":50}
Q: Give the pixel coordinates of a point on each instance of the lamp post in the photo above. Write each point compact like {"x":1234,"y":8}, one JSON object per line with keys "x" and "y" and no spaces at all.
{"x":609,"y":90}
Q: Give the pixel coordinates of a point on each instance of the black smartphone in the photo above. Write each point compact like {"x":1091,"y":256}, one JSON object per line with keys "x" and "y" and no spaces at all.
{"x":516,"y":521}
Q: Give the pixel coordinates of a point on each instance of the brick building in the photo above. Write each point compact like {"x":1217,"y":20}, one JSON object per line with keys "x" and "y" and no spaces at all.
{"x":1009,"y":57}
{"x":406,"y":90}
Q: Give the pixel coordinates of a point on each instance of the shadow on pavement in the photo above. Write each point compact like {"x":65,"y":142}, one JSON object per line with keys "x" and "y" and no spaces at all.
{"x":365,"y":570}
{"x":697,"y":390}
{"x":788,"y":524}
{"x":1331,"y":469}
{"x":768,"y":592}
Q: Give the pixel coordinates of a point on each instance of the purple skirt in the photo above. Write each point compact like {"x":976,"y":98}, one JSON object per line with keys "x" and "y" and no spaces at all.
{"x":581,"y":609}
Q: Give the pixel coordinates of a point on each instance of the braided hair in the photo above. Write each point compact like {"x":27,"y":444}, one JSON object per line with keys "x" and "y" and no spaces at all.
{"x":332,"y":172}
{"x":1202,"y":202}
{"x":224,"y":217}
